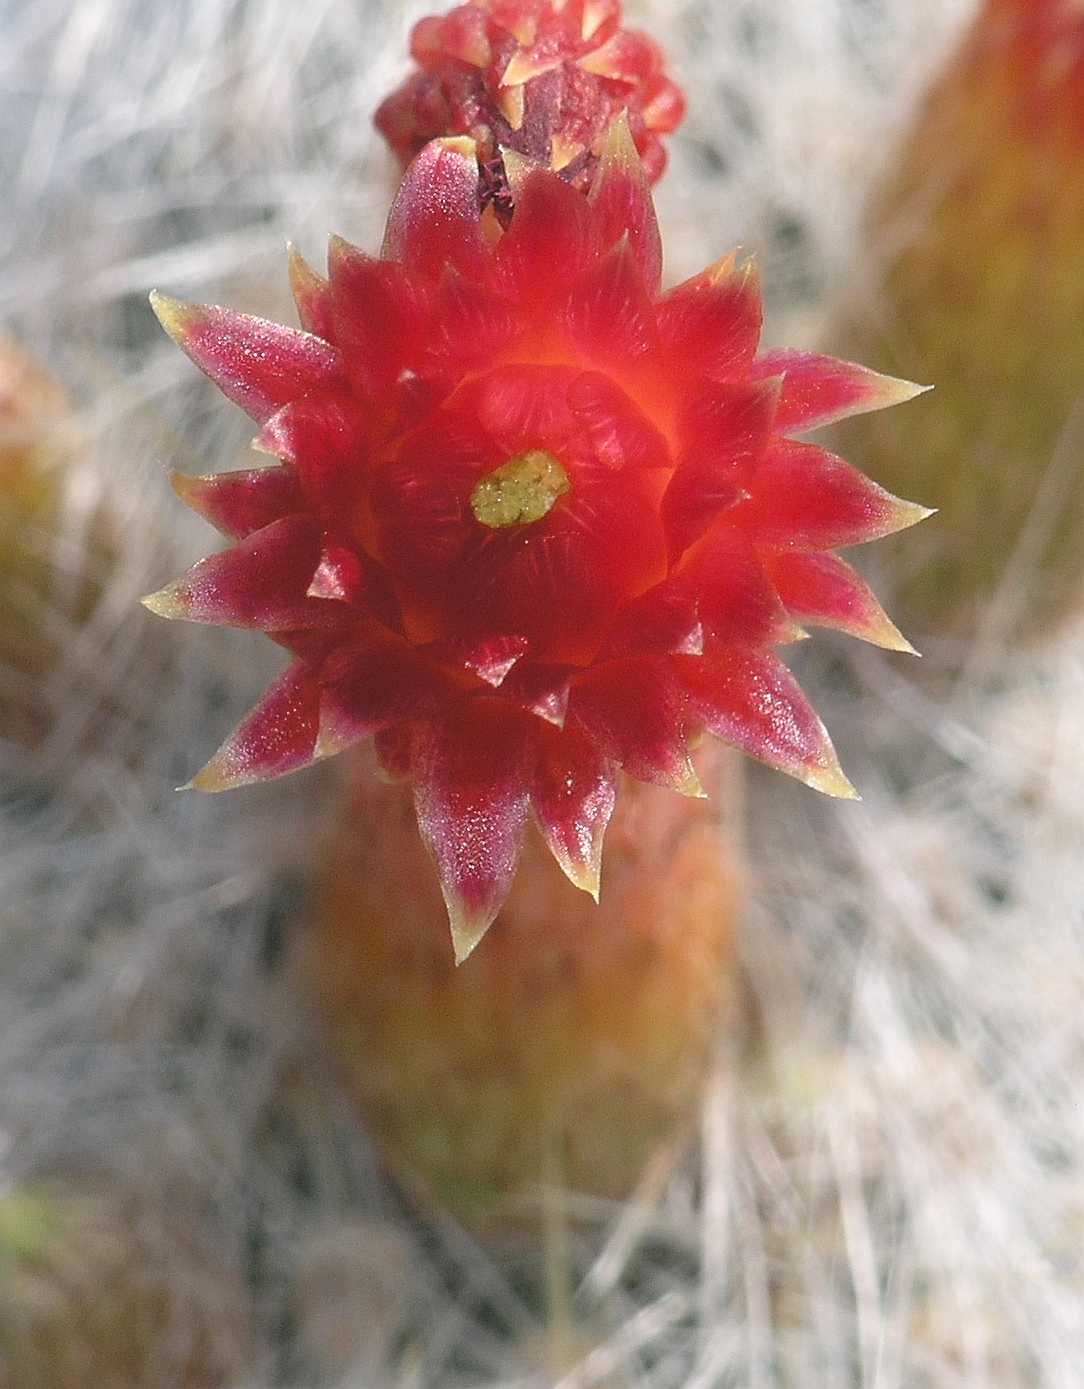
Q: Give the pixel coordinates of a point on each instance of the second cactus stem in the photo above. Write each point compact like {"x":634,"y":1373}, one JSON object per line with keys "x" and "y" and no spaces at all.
{"x":573,"y":1044}
{"x":980,"y":288}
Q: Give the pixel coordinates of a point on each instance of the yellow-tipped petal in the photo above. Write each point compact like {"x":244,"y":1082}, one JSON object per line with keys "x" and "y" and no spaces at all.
{"x":824,"y":590}
{"x":585,"y":876}
{"x":522,"y":27}
{"x":210,"y":780}
{"x":329,"y":743}
{"x":888,"y":637}
{"x":830,"y":780}
{"x":748,"y":273}
{"x":258,"y":364}
{"x":303,"y":278}
{"x":310,"y":291}
{"x":525,"y":30}
{"x":166,"y":602}
{"x":906,"y":514}
{"x":517,"y":167}
{"x":594,"y":15}
{"x":523,"y":67}
{"x":563,"y":151}
{"x":601,"y":63}
{"x":619,"y":148}
{"x":463,"y":145}
{"x":690,"y":785}
{"x":722,"y":269}
{"x":467,"y":928}
{"x":175,"y":315}
{"x":894,"y":390}
{"x":186,"y":488}
{"x":512,"y":102}
{"x":472,"y":49}
{"x":588,"y":879}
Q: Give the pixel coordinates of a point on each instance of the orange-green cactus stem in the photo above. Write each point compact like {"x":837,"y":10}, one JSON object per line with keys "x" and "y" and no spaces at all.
{"x":87,"y":1299}
{"x":979,"y":235}
{"x":542,"y":78}
{"x":36,"y":443}
{"x":573,"y":1046}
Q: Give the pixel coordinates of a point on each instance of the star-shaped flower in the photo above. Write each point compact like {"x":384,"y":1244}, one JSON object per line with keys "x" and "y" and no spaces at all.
{"x":532,"y":521}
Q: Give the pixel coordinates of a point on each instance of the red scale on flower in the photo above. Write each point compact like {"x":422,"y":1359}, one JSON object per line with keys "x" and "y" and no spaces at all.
{"x":544,"y":78}
{"x":526,"y":568}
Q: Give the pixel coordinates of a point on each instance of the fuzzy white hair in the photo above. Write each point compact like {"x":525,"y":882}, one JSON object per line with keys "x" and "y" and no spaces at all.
{"x":889,"y":1191}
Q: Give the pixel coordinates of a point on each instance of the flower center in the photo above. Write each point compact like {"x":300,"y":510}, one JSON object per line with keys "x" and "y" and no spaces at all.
{"x":520,"y":491}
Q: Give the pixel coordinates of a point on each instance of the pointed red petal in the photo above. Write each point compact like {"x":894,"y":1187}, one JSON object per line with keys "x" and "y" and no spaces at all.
{"x":732,"y":421}
{"x":610,"y":314}
{"x":349,"y":575}
{"x":239,"y":503}
{"x":471,"y":791}
{"x":520,"y":18}
{"x":340,"y":575}
{"x":490,"y":658}
{"x":279,"y":736}
{"x":620,"y":435}
{"x":463,"y":36}
{"x":600,"y":17}
{"x":541,"y":689}
{"x":727,"y":429}
{"x":736,"y":600}
{"x":629,"y":56}
{"x":664,"y":619}
{"x":825,"y":591}
{"x":325,"y":439}
{"x":259,"y":364}
{"x":551,"y":240}
{"x":378,"y":315}
{"x":711,"y":325}
{"x":312,"y":295}
{"x":262,"y":582}
{"x":804,"y":497}
{"x":621,"y":201}
{"x":573,"y":797}
{"x":697,"y":496}
{"x":469,"y":323}
{"x":751,"y":700}
{"x":636,"y":714}
{"x":820,"y":390}
{"x":436,"y":219}
{"x":369,"y":686}
{"x":525,"y":65}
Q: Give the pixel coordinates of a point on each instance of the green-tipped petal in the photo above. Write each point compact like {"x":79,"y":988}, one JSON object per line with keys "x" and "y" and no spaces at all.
{"x":259,"y":364}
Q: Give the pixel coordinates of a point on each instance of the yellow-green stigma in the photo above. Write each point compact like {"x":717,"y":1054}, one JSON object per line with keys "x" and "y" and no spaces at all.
{"x":520,"y":491}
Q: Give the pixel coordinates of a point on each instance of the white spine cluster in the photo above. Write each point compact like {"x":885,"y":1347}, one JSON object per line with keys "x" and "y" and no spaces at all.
{"x":891,"y":1175}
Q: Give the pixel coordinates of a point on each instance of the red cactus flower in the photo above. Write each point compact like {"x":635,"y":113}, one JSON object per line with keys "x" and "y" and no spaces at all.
{"x":545,"y":78}
{"x":532,"y":522}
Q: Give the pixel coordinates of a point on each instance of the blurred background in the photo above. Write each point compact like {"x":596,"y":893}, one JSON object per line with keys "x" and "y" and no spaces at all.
{"x":887,"y":1183}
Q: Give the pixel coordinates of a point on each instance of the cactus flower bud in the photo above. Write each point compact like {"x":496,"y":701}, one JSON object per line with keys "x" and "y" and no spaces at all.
{"x":544,"y":78}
